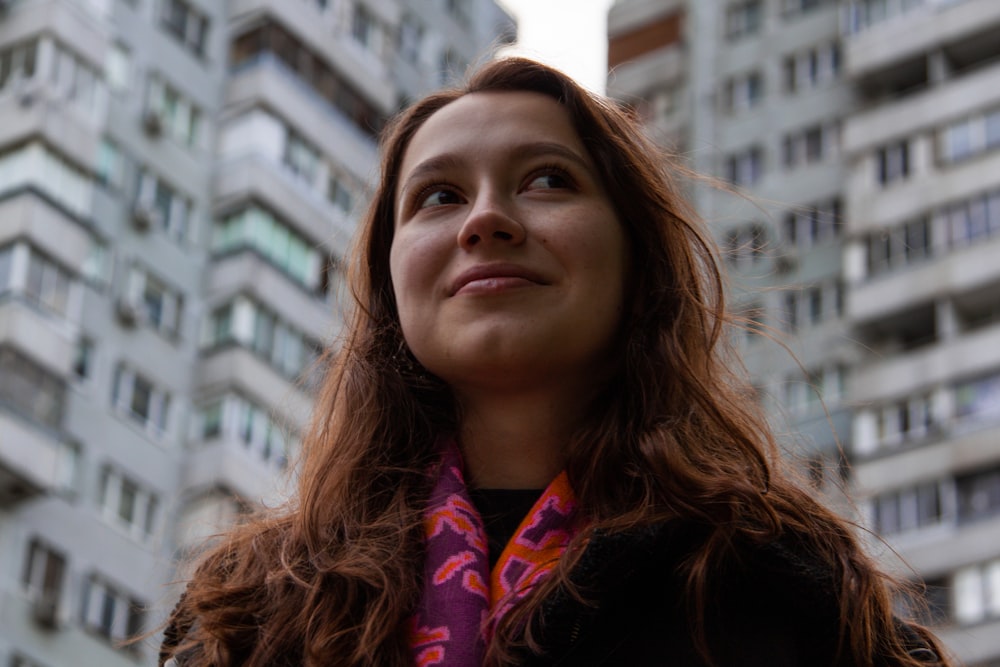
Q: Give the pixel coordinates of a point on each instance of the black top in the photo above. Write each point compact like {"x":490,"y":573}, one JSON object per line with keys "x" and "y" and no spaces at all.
{"x":502,"y":511}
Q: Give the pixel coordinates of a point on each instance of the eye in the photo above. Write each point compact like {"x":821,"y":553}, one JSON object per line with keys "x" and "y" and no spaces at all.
{"x":438,"y":196}
{"x":550,"y":179}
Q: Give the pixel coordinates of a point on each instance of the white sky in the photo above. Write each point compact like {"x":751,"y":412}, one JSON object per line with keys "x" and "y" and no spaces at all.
{"x":568,"y":34}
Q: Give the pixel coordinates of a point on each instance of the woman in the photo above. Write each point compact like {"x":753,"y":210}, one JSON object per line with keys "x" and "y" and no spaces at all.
{"x":538,"y":339}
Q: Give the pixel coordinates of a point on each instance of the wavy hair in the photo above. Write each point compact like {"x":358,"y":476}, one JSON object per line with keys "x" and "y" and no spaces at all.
{"x":674,"y":433}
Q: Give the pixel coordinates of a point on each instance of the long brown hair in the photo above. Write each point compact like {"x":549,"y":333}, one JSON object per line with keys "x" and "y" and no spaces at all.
{"x":674,"y":433}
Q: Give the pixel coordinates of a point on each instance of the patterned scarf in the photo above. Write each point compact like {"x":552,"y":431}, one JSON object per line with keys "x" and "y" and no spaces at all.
{"x":459,"y":610}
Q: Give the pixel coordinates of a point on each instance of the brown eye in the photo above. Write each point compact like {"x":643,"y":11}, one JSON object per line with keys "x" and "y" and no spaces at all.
{"x":439,"y":197}
{"x":550,"y":180}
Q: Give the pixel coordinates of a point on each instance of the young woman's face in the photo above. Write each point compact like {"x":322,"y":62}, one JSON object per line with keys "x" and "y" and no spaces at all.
{"x":508,"y":261}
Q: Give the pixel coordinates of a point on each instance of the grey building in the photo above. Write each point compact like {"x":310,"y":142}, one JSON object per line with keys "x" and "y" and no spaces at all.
{"x":867,"y":134}
{"x":179,"y":180}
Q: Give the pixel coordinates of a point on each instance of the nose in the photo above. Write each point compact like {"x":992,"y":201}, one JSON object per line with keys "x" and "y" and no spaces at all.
{"x":490,"y":221}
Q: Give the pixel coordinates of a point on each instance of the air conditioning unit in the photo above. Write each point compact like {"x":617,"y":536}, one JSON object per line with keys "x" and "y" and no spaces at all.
{"x":130,"y":313}
{"x":45,"y":611}
{"x":152,"y":123}
{"x":145,"y":218}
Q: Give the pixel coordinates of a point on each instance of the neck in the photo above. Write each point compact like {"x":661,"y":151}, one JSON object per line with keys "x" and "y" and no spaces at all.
{"x":516,"y":441}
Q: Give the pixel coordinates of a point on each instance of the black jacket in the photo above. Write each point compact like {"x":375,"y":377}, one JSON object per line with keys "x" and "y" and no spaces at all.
{"x":772,"y":605}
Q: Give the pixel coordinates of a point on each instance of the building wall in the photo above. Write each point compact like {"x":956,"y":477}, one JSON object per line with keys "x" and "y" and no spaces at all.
{"x":179,"y":181}
{"x":866,"y":134}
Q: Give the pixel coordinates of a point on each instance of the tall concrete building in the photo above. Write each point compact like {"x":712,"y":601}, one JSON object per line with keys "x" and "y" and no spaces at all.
{"x":867,"y":136}
{"x":178,"y":183}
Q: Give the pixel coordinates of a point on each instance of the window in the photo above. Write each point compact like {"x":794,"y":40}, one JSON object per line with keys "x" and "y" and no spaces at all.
{"x":83,"y":360}
{"x":30,"y":389}
{"x":978,"y":495}
{"x":815,"y":223}
{"x":744,"y":18}
{"x":977,"y":592}
{"x":893,"y":162}
{"x":126,"y":504}
{"x":459,"y":10}
{"x":811,"y":145}
{"x":185,"y":23}
{"x":410,"y":40}
{"x":96,"y":267}
{"x":118,"y":68}
{"x":970,"y":137}
{"x":207,"y":516}
{"x":755,"y":317}
{"x":746,"y":245}
{"x":162,"y":206}
{"x":35,"y":165}
{"x":340,"y":193}
{"x":899,"y":246}
{"x":44,"y":576}
{"x":993,"y":129}
{"x":75,"y":80}
{"x":746,"y":167}
{"x":907,"y":420}
{"x":140,"y":399}
{"x":109,"y":166}
{"x":301,"y":158}
{"x":258,"y":229}
{"x":160,"y":305}
{"x":813,"y":305}
{"x":283,"y":346}
{"x":47,"y":284}
{"x":824,"y":384}
{"x":363,"y":25}
{"x":453,"y":67}
{"x":791,"y":7}
{"x":257,"y":429}
{"x":744,"y":91}
{"x":909,"y":509}
{"x":17,"y":63}
{"x":978,"y":400}
{"x":6,"y":266}
{"x":111,"y":613}
{"x":812,"y":68}
{"x":180,"y":118}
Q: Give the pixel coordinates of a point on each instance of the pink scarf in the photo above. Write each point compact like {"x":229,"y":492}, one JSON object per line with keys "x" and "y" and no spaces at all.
{"x":462,"y":600}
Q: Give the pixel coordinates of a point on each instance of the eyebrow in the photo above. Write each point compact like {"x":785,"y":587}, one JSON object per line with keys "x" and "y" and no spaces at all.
{"x":449,"y":161}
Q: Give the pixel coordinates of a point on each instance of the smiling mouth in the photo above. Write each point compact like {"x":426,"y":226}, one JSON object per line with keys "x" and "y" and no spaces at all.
{"x":492,"y":279}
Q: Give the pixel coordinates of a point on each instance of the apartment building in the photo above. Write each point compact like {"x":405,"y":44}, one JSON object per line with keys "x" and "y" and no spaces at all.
{"x":867,"y":135}
{"x":179,"y":180}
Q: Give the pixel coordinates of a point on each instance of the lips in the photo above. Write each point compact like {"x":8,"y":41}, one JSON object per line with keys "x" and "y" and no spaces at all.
{"x":495,"y":277}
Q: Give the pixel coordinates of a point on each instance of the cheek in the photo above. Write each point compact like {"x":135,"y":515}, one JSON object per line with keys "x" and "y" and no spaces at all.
{"x":412,"y":271}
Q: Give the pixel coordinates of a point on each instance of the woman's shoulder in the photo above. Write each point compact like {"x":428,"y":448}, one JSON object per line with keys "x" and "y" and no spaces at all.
{"x":768,"y":600}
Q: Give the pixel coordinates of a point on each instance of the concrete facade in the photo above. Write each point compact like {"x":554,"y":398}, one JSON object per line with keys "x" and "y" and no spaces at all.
{"x":179,"y":180}
{"x":867,"y":136}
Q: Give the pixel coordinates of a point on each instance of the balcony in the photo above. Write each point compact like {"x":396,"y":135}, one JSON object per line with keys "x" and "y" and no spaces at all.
{"x":72,"y":646}
{"x":880,"y":53}
{"x":366,"y":71}
{"x":928,"y":108}
{"x":962,"y":271}
{"x":249,"y":273}
{"x":254,"y":176}
{"x":228,"y":463}
{"x":965,"y":355}
{"x":264,"y":80}
{"x":50,"y":339}
{"x":34,"y":461}
{"x":240,"y":369}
